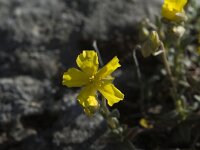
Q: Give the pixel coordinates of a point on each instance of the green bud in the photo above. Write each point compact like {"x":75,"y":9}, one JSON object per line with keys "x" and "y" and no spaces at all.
{"x":113,"y":122}
{"x":143,"y":34}
{"x":151,"y":45}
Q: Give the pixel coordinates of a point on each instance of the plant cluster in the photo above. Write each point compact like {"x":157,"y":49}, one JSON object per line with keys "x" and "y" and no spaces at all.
{"x":174,"y":39}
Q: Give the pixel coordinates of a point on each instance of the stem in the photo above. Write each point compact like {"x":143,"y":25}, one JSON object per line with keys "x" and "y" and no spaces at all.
{"x":176,"y":60}
{"x":105,"y":108}
{"x":140,"y":79}
{"x":167,"y":67}
{"x":131,"y":146}
{"x":98,"y":52}
{"x":177,"y":100}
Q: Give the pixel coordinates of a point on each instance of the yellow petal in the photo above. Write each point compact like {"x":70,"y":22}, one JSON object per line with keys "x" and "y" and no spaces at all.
{"x":145,"y":123}
{"x":75,"y":78}
{"x":92,"y":101}
{"x":92,"y":105}
{"x":173,"y":9}
{"x":85,"y":93}
{"x":108,"y":68}
{"x":180,"y":4}
{"x":88,"y":62}
{"x":87,"y":100}
{"x":111,"y":93}
{"x":175,"y":4}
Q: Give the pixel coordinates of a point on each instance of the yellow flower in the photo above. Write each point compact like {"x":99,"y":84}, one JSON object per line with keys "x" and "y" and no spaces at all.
{"x":173,"y":10}
{"x":92,"y":80}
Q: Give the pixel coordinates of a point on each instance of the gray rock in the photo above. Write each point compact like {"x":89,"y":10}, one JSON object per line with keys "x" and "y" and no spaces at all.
{"x":21,"y":96}
{"x":40,"y":64}
{"x":112,"y":17}
{"x":80,"y":130}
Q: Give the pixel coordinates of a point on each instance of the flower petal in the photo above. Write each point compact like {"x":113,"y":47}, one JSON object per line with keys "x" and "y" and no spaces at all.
{"x":111,"y":93}
{"x":85,"y":93}
{"x":175,"y":4}
{"x":181,"y":3}
{"x":88,"y":100}
{"x":88,"y":62}
{"x":75,"y":78}
{"x":173,"y":9}
{"x":108,"y":68}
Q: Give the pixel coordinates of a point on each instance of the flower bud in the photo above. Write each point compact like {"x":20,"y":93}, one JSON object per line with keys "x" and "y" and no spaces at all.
{"x":143,"y":34}
{"x":91,"y":105}
{"x":113,"y":122}
{"x":179,"y":31}
{"x":151,"y":45}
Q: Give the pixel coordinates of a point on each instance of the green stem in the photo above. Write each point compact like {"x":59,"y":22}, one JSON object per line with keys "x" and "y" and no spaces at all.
{"x":177,"y":100}
{"x":141,"y":83}
{"x":177,"y":68}
{"x":105,"y":108}
{"x":167,"y":67}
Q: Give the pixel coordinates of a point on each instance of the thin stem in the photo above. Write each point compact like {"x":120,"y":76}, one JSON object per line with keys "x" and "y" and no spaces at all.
{"x":167,"y":67}
{"x":98,"y":52}
{"x":136,"y":63}
{"x":105,"y":108}
{"x":132,"y":147}
{"x":140,"y":79}
{"x":176,"y":59}
{"x":177,"y":100}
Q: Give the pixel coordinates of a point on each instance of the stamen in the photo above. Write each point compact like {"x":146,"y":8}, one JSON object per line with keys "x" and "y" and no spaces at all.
{"x":91,"y":78}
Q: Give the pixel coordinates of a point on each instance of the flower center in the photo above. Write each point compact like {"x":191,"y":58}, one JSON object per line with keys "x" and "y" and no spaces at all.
{"x":91,"y":78}
{"x":97,"y":82}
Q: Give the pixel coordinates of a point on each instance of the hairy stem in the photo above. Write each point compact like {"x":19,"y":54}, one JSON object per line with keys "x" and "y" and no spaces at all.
{"x":167,"y":67}
{"x":177,"y":100}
